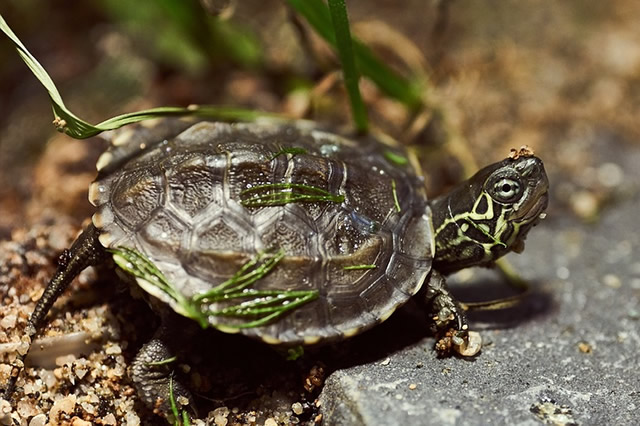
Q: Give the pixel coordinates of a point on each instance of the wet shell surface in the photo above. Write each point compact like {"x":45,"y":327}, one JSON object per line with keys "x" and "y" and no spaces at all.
{"x":182,"y":203}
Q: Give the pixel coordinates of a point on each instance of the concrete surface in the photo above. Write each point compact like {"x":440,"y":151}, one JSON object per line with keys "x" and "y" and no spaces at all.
{"x":568,"y":355}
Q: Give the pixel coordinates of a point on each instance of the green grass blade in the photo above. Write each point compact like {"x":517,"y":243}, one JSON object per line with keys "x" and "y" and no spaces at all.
{"x":191,"y":40}
{"x":350,"y":72}
{"x":318,"y":16}
{"x":32,"y":63}
{"x":180,"y":417}
{"x":262,"y":301}
{"x":406,"y":91}
{"x":165,"y":361}
{"x":295,"y":353}
{"x":60,"y":110}
{"x":172,"y":402}
{"x":395,"y":195}
{"x":359,"y":267}
{"x":279,"y":194}
{"x":395,"y":158}
{"x":136,"y":264}
{"x":254,"y":307}
{"x":70,"y":124}
{"x":211,"y":111}
{"x":261,"y":307}
{"x":293,"y":151}
{"x":250,"y":272}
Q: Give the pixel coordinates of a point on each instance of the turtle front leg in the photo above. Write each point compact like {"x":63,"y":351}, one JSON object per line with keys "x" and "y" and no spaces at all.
{"x":153,"y":372}
{"x":443,"y":308}
{"x":449,"y":321}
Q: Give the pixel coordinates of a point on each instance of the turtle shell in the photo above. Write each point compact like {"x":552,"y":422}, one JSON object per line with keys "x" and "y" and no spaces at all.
{"x":181,"y":202}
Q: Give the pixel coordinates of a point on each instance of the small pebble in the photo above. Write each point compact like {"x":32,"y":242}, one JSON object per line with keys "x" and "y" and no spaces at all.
{"x":386,"y":361}
{"x":79,"y":422}
{"x":585,"y":347}
{"x":39,"y":420}
{"x":26,"y":408}
{"x":48,"y":377}
{"x":109,"y":419}
{"x":65,"y":360}
{"x":297,"y":409}
{"x":23,"y":348}
{"x":220,"y":415}
{"x":5,"y":411}
{"x":8,"y":322}
{"x":612,"y":281}
{"x":80,"y":372}
{"x":89,"y":408}
{"x":132,"y":419}
{"x":413,"y":386}
{"x":113,"y":350}
{"x":270,"y":422}
{"x":62,"y":406}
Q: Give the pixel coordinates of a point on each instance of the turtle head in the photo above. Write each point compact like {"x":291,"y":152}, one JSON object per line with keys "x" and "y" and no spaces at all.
{"x":490,"y":214}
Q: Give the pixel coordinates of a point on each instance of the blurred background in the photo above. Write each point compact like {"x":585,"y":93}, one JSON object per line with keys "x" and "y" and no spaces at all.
{"x":561,"y":77}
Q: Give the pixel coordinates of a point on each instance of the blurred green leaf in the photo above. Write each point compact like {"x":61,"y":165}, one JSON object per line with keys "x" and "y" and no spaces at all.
{"x":181,"y":33}
{"x":394,"y":85}
{"x":342,"y":32}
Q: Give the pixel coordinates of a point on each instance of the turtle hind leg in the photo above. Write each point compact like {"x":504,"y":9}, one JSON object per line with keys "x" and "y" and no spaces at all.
{"x":85,"y":251}
{"x":153,"y":370}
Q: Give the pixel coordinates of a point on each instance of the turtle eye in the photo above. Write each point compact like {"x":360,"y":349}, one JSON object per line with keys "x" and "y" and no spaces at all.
{"x":506,"y":190}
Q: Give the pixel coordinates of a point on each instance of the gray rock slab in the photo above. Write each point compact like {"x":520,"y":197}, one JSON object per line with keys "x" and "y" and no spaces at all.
{"x":569,"y":354}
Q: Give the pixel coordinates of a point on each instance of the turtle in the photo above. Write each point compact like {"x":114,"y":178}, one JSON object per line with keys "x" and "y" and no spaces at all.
{"x":286,"y":232}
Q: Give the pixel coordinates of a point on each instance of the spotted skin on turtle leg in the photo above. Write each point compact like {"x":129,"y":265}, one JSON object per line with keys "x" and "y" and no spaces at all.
{"x":441,"y":306}
{"x":449,"y":323}
{"x":153,"y":369}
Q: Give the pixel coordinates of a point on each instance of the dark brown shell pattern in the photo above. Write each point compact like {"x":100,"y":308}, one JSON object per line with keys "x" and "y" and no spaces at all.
{"x":178,"y":202}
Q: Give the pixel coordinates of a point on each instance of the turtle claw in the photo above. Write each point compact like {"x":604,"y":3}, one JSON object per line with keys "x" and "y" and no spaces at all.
{"x":470,"y":346}
{"x":444,"y":345}
{"x":464,"y":343}
{"x":448,"y":315}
